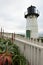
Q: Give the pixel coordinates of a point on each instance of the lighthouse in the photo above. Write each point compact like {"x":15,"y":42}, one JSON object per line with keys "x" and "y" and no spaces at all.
{"x":31,"y":24}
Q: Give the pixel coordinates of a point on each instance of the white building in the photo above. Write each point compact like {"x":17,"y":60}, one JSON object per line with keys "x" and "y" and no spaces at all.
{"x":31,"y":23}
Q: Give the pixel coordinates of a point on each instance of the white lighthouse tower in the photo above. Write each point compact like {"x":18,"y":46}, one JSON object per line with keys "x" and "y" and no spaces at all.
{"x":31,"y":23}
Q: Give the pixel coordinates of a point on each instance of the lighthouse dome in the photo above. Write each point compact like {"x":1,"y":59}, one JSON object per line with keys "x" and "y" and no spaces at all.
{"x":32,"y":11}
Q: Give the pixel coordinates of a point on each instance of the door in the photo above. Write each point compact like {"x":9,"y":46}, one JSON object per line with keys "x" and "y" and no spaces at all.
{"x":28,"y":33}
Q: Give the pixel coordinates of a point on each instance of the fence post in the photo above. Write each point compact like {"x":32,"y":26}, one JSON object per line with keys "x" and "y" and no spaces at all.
{"x":1,"y":32}
{"x":14,"y":36}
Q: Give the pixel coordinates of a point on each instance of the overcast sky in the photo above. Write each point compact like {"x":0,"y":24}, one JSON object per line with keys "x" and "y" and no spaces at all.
{"x":12,"y":14}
